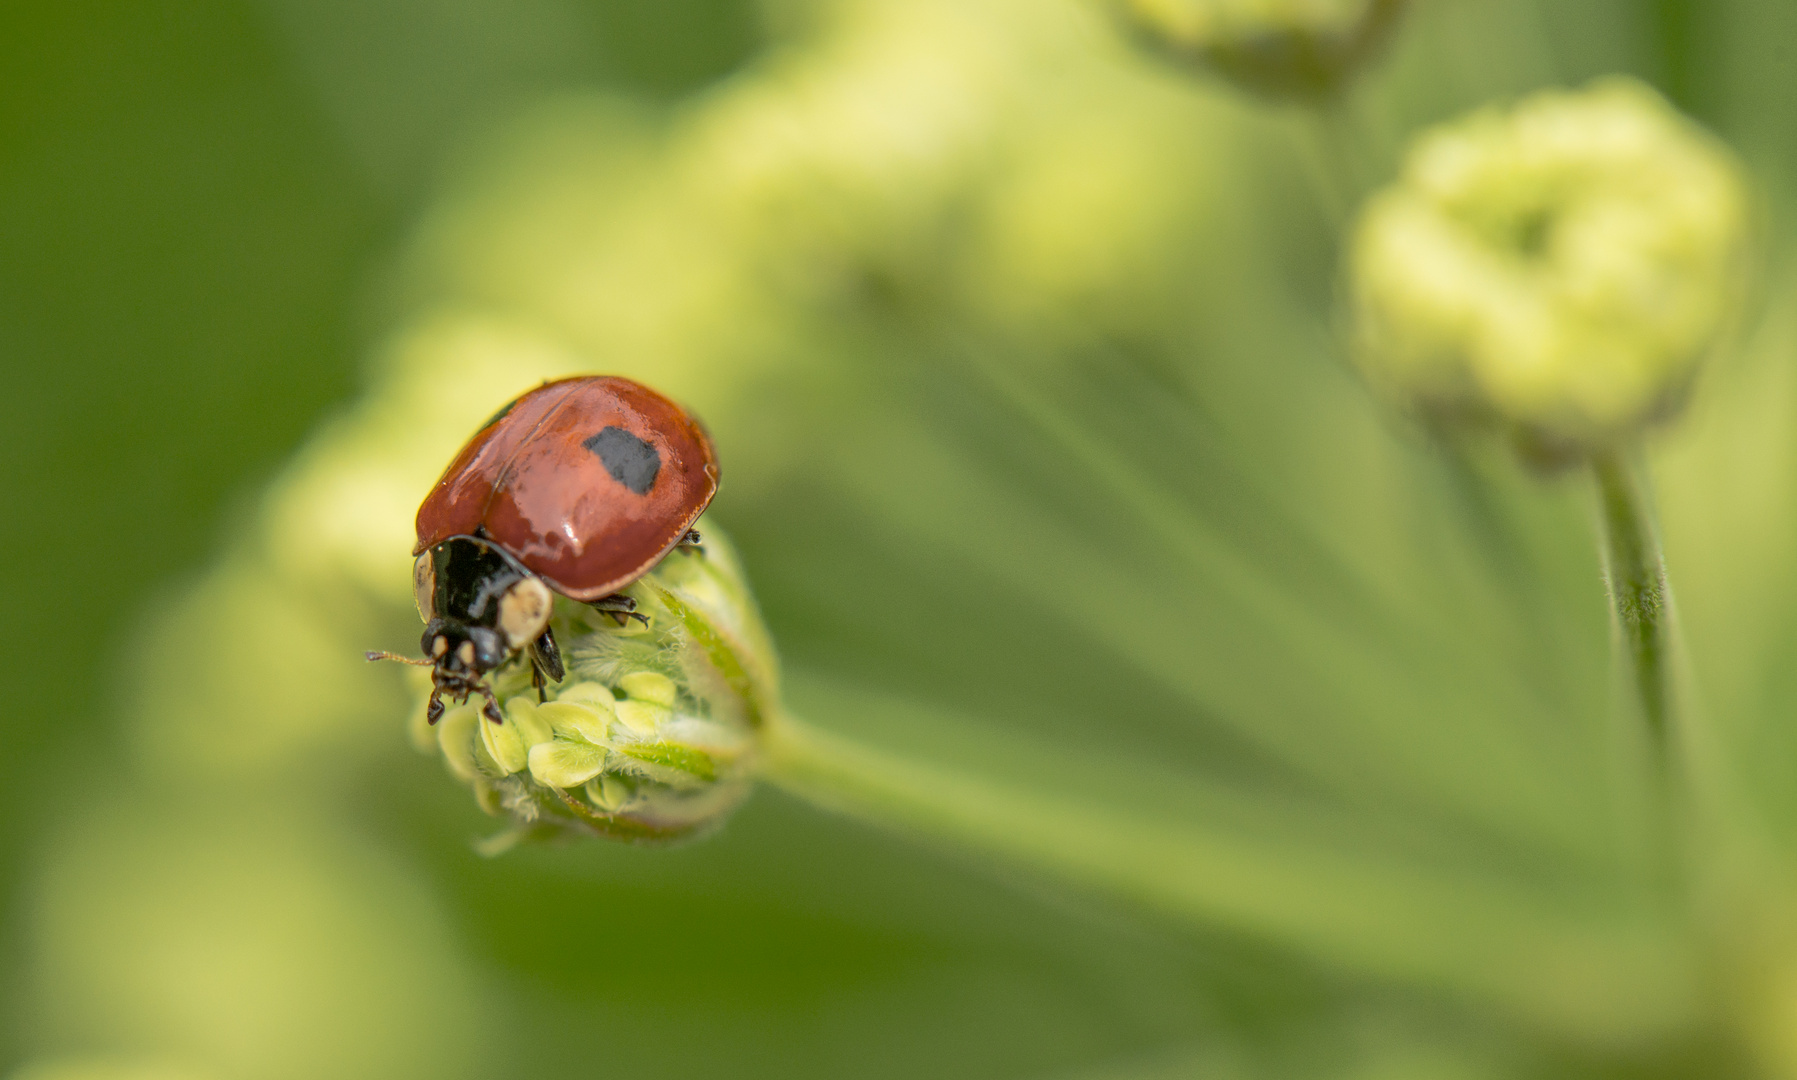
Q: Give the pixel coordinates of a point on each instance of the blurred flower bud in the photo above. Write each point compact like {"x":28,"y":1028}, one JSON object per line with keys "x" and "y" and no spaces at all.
{"x":652,"y":734}
{"x":1303,"y":49}
{"x":1559,"y":268}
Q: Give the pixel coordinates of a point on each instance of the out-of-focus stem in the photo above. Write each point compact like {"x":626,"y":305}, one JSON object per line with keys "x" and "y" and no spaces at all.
{"x":1635,"y":574}
{"x":1389,"y":919}
{"x":1335,"y":153}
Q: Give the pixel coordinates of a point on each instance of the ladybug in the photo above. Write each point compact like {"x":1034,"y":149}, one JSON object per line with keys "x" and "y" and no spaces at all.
{"x":578,"y":487}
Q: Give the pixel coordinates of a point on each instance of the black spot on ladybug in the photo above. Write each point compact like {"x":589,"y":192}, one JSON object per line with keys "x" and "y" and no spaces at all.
{"x":631,"y":461}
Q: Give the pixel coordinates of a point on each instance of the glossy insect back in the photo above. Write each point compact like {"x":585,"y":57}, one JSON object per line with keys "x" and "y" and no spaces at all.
{"x":580,"y":486}
{"x":459,"y":500}
{"x":587,"y":481}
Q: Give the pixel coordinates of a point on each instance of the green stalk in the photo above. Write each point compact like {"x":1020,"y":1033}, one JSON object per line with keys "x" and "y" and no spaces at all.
{"x":1389,"y":919}
{"x":1635,"y":574}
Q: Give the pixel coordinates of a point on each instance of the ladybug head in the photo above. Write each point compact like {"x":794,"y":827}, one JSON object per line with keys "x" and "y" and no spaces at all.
{"x":460,"y":654}
{"x":462,"y":650}
{"x":481,"y":608}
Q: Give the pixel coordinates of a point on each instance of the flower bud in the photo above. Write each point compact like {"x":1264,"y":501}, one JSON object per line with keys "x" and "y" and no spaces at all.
{"x":1287,"y":49}
{"x":652,"y":734}
{"x":1559,"y":268}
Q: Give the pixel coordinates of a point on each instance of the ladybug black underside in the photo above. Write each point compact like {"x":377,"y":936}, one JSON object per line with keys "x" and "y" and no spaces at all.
{"x":472,"y":575}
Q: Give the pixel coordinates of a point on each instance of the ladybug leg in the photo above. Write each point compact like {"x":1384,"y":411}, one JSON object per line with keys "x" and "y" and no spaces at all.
{"x":545,"y":663}
{"x":491,"y":709}
{"x":690,"y":543}
{"x":620,"y":607}
{"x":546,"y":656}
{"x":434,"y":710}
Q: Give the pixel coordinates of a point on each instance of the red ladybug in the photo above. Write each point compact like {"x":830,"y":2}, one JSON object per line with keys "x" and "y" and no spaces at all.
{"x":580,"y":486}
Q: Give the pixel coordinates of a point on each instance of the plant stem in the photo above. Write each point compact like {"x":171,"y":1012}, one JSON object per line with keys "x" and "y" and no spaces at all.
{"x":1635,"y":573}
{"x":1332,"y":147}
{"x":1392,"y":920}
{"x":1330,"y":183}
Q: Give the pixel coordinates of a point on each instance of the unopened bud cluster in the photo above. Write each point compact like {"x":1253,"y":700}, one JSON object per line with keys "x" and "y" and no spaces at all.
{"x":652,"y":734}
{"x":1290,"y":49}
{"x":1558,"y":269}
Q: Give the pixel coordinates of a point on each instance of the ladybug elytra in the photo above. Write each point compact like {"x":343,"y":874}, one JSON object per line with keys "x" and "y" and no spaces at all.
{"x":578,"y":487}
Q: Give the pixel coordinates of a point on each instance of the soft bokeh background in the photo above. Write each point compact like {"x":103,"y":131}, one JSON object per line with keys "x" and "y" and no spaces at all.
{"x":1019,"y":350}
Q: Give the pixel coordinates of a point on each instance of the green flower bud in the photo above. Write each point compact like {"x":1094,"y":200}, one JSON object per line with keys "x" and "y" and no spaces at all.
{"x":651,"y":736}
{"x":1289,"y":49}
{"x":1560,"y":268}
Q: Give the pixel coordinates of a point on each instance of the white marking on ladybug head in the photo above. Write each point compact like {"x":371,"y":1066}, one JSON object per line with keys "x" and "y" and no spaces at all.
{"x":424,"y":586}
{"x":524,"y":612}
{"x":466,"y":654}
{"x":439,"y":646}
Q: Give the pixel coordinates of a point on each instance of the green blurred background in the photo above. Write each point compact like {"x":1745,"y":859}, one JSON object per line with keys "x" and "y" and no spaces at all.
{"x":208,"y":221}
{"x":200,"y":203}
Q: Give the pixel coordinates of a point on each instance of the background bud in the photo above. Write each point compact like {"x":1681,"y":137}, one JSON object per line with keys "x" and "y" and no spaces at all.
{"x":1560,"y":267}
{"x":1305,"y":49}
{"x":651,"y":736}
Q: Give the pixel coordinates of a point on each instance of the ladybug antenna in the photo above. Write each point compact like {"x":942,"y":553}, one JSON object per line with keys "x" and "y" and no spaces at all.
{"x":414,"y":661}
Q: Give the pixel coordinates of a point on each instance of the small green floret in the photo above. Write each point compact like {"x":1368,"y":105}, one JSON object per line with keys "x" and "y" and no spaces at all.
{"x":1560,"y":268}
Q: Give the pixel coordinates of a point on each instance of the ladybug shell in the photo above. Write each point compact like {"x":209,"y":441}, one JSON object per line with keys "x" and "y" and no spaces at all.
{"x":587,"y":481}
